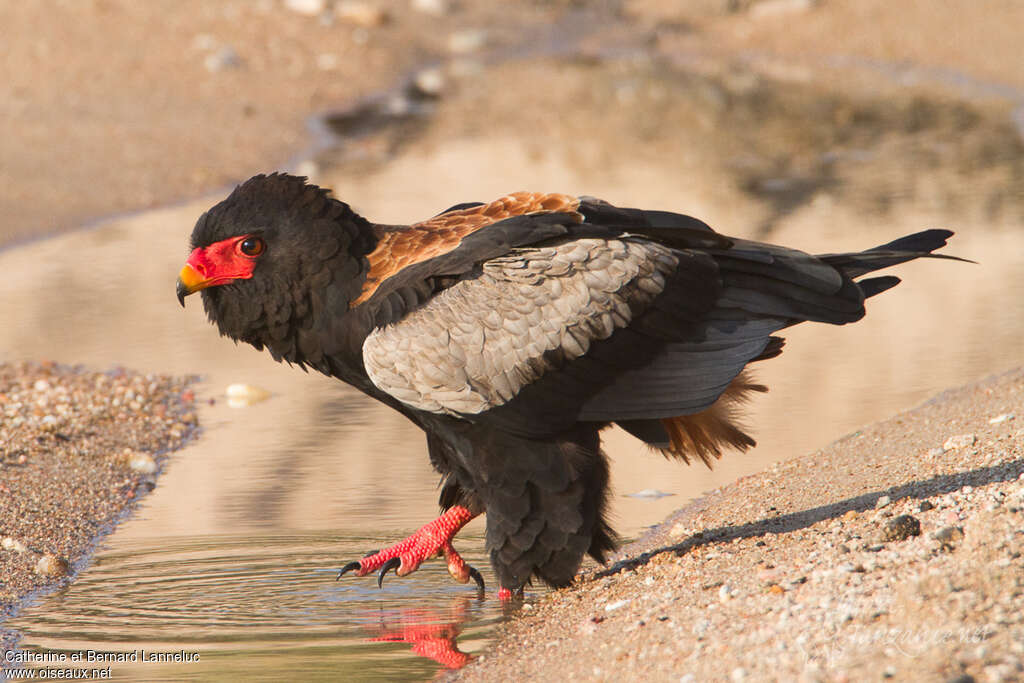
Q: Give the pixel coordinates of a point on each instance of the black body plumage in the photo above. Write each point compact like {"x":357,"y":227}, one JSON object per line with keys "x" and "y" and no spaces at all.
{"x":513,"y":343}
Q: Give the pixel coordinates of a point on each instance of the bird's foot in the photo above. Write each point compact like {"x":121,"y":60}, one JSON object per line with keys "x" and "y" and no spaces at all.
{"x":507,"y":595}
{"x":431,"y":540}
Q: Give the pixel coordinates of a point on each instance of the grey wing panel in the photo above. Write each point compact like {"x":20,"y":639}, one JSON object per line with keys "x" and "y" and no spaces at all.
{"x":475,"y":345}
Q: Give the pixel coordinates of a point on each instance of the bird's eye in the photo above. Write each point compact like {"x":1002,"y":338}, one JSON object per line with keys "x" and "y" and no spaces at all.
{"x":252,"y":246}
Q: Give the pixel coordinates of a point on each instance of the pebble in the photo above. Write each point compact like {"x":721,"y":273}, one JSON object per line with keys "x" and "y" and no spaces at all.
{"x":948,"y":536}
{"x":901,"y":528}
{"x":1001,"y":418}
{"x":464,"y":42}
{"x":310,"y":8}
{"x":726,"y":592}
{"x":51,"y":565}
{"x":223,"y":59}
{"x":780,"y":8}
{"x":611,"y":607}
{"x":141,"y":462}
{"x":433,"y":7}
{"x":243,"y":395}
{"x":959,"y":441}
{"x":925,"y":506}
{"x":429,"y":82}
{"x":882,"y":501}
{"x":649,"y":493}
{"x":327,"y":61}
{"x":362,"y":14}
{"x":13,"y":544}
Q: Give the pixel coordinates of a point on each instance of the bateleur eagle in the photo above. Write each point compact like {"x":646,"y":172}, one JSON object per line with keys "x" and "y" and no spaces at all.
{"x":513,"y":332}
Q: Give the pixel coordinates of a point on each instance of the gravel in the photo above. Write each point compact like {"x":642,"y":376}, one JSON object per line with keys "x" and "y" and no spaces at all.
{"x":77,"y":449}
{"x":928,"y":586}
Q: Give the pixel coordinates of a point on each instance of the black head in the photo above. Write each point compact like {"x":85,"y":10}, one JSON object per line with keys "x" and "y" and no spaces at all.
{"x":272,"y":257}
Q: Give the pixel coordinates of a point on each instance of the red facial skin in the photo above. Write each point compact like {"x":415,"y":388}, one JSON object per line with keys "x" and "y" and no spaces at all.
{"x":221,"y":263}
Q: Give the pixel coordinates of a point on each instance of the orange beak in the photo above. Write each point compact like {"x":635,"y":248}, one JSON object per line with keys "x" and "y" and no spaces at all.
{"x":189,"y":282}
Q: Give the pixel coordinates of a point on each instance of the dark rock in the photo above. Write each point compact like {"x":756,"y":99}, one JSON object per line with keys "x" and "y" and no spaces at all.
{"x":901,"y":528}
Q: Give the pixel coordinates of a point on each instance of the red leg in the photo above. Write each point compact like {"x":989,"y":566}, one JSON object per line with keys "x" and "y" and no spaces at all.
{"x":432,"y":540}
{"x":507,"y":595}
{"x":436,"y":641}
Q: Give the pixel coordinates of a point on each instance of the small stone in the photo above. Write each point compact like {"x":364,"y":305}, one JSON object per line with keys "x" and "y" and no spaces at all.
{"x":13,"y":544}
{"x":652,"y":494}
{"x":310,"y":8}
{"x":776,"y":589}
{"x":726,"y":592}
{"x":611,"y":607}
{"x":434,"y":7}
{"x":925,"y":506}
{"x":780,"y":8}
{"x":242,"y":395}
{"x":224,"y":58}
{"x":901,"y":528}
{"x":1001,"y":418}
{"x":41,"y":385}
{"x":948,"y":536}
{"x":327,"y":61}
{"x":51,"y":565}
{"x":464,"y":42}
{"x":362,"y":14}
{"x":882,"y":501}
{"x":429,"y":82}
{"x":142,"y":463}
{"x":960,"y":441}
{"x":962,"y":678}
{"x":48,"y":423}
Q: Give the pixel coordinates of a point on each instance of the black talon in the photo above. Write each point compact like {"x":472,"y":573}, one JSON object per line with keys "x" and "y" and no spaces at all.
{"x":393,"y":563}
{"x":475,"y":575}
{"x":351,"y":566}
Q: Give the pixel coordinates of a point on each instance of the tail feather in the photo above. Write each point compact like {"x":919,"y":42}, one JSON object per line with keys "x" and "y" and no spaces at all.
{"x":907,"y":248}
{"x":876,"y":285}
{"x":703,"y":435}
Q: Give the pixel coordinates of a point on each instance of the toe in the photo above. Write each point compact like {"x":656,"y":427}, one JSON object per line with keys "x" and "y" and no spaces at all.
{"x":393,"y":563}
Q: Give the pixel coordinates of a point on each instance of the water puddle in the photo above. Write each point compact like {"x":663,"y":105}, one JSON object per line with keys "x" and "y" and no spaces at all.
{"x":257,"y":607}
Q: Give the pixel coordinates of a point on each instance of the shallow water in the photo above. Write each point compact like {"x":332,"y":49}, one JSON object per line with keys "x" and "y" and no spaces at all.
{"x":234,"y":554}
{"x":261,"y":607}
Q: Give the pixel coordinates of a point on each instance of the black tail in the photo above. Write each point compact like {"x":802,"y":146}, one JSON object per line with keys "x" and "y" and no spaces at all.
{"x":908,"y":248}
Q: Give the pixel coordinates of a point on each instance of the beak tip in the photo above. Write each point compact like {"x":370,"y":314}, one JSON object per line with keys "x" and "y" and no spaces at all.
{"x":181,"y":291}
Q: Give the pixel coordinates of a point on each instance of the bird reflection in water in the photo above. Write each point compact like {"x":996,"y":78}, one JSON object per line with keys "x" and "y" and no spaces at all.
{"x":431,"y":634}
